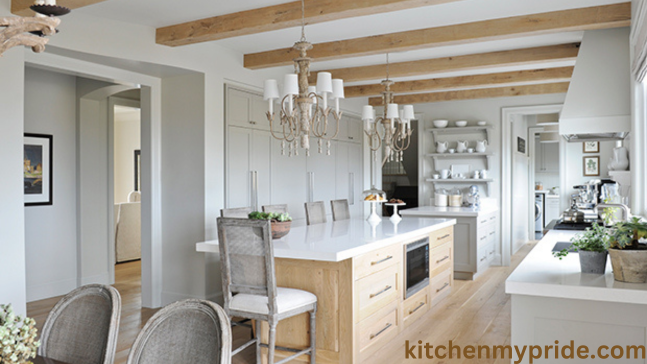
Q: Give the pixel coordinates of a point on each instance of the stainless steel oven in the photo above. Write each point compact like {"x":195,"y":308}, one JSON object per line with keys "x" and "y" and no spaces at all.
{"x":416,"y":266}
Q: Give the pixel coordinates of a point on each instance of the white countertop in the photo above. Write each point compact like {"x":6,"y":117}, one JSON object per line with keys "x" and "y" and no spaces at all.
{"x":337,"y":241}
{"x":436,"y":211}
{"x":541,"y":274}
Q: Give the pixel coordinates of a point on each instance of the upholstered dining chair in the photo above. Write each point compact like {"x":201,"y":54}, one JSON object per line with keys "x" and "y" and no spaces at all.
{"x":281,"y":209}
{"x":340,"y":210}
{"x":189,"y":331}
{"x":249,"y":285}
{"x":239,"y":212}
{"x":82,"y":327}
{"x":315,"y":212}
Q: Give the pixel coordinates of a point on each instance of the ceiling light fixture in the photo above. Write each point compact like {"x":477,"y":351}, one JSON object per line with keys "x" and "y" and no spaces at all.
{"x":31,"y":31}
{"x":396,"y":124}
{"x":304,"y":109}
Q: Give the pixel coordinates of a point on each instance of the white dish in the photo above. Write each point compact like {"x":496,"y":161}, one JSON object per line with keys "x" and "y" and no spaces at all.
{"x":441,"y":123}
{"x":461,"y":123}
{"x":452,"y":151}
{"x":481,"y":123}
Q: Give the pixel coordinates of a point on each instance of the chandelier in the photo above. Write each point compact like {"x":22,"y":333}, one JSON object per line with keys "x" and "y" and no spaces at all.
{"x":396,"y":124}
{"x":304,"y":109}
{"x":31,"y":31}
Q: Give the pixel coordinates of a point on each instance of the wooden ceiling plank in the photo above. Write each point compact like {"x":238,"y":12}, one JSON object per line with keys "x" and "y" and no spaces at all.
{"x":516,"y":57}
{"x":598,"y":17}
{"x":21,"y":7}
{"x":525,"y":77}
{"x":279,"y":16}
{"x":483,"y":93}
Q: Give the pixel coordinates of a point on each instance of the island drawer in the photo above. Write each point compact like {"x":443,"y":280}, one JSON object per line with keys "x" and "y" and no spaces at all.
{"x":377,"y":260}
{"x":376,"y":291}
{"x":441,"y":286}
{"x":440,"y":259}
{"x":378,"y":328}
{"x":441,"y":237}
{"x":415,"y":306}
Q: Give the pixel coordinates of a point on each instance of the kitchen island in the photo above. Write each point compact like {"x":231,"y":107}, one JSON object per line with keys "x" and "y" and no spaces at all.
{"x":475,"y":235}
{"x":357,"y":271}
{"x":552,"y":300}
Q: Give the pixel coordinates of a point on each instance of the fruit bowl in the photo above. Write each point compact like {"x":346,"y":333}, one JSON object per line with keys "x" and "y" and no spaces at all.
{"x":441,"y":123}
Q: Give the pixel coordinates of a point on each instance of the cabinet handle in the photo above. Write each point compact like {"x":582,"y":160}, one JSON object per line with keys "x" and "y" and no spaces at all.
{"x":351,"y":138}
{"x":373,"y":336}
{"x":417,"y":308}
{"x":484,"y":221}
{"x":382,"y":260}
{"x":443,"y":287}
{"x":492,"y":252}
{"x":351,"y":188}
{"x":485,"y":257}
{"x":492,"y":233}
{"x":252,"y":122}
{"x":492,"y":218}
{"x":442,"y":260}
{"x":444,"y":237}
{"x":373,"y":295}
{"x":254,"y":191}
{"x":311,"y":186}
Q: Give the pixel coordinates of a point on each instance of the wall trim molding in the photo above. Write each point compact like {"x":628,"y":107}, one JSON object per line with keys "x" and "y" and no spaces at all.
{"x":50,"y":289}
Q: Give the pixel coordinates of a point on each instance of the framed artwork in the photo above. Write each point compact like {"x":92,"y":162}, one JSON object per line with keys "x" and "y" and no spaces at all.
{"x":37,"y":171}
{"x":592,"y":166}
{"x":591,"y":147}
{"x":521,"y":145}
{"x":138,"y":169}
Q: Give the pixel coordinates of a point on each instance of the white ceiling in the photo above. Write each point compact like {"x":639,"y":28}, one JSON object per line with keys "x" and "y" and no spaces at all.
{"x":156,"y":13}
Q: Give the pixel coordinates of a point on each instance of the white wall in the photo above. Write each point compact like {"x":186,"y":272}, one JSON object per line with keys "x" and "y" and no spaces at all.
{"x":50,"y":231}
{"x":520,"y":185}
{"x":574,"y":157}
{"x":127,"y":139}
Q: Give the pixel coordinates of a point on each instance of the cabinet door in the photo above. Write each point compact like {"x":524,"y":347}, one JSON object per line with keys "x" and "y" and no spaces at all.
{"x":261,"y":166}
{"x":288,"y":180}
{"x":465,"y":246}
{"x":239,"y":108}
{"x":539,"y":156}
{"x":551,"y":157}
{"x":343,"y":127}
{"x":355,"y":171}
{"x":552,"y":209}
{"x":239,"y":146}
{"x":258,"y":109}
{"x":342,"y":169}
{"x":355,"y":130}
{"x":322,"y":167}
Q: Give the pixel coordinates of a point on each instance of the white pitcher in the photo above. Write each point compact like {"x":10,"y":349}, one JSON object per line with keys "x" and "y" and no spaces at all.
{"x":441,"y":147}
{"x":481,"y":146}
{"x":461,"y":146}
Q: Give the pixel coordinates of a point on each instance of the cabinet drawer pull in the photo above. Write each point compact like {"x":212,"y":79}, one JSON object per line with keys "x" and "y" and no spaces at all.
{"x":492,"y":218}
{"x":417,"y":308}
{"x":443,"y":287}
{"x":373,"y":295}
{"x":483,"y":222}
{"x":485,"y":257}
{"x":351,"y":138}
{"x":382,"y":260}
{"x":483,"y":237}
{"x":492,"y":252}
{"x":442,"y":260}
{"x":492,"y":233}
{"x":444,"y":237}
{"x":252,"y":122}
{"x":373,"y":336}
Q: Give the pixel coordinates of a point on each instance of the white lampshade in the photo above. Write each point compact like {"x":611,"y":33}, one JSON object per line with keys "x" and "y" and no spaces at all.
{"x":408,"y":112}
{"x":337,"y":88}
{"x":324,"y":82}
{"x":392,"y":111}
{"x":291,"y":84}
{"x":271,"y":90}
{"x":368,"y":113}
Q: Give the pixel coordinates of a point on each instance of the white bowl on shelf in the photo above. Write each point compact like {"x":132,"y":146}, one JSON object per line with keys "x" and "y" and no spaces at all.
{"x":461,"y":123}
{"x":441,"y":123}
{"x":481,"y":123}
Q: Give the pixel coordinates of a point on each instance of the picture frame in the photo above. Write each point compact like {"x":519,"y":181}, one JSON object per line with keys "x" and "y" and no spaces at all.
{"x":138,"y":169}
{"x":592,"y":166}
{"x":591,"y":147}
{"x":38,"y":169}
{"x":521,"y":145}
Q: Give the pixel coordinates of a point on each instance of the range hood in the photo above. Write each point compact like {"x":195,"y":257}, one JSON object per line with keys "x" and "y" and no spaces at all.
{"x":598,"y":101}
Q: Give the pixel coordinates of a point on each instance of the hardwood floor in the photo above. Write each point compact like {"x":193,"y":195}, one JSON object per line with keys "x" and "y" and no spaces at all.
{"x":475,"y":313}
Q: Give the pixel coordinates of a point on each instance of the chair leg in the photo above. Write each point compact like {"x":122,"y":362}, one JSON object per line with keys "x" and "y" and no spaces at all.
{"x":272,"y":343}
{"x":258,"y":341}
{"x":313,"y":336}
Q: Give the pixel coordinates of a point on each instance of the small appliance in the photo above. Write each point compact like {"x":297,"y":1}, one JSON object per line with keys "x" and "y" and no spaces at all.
{"x":416,"y":266}
{"x":472,"y":198}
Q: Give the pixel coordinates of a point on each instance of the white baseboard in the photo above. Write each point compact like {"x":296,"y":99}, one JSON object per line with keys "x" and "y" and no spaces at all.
{"x":103,"y":278}
{"x":51,"y":289}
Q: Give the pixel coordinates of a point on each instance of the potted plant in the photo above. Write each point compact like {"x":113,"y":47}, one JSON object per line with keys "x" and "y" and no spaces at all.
{"x":280,"y":222}
{"x":17,"y":337}
{"x":628,"y":254}
{"x":592,"y":248}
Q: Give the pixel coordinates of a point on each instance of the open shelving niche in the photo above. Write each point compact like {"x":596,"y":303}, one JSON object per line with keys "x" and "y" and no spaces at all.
{"x":487,"y":129}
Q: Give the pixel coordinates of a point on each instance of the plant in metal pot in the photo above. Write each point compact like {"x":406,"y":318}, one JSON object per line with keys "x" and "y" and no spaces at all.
{"x":628,"y":250}
{"x":592,"y":247}
{"x":280,"y":222}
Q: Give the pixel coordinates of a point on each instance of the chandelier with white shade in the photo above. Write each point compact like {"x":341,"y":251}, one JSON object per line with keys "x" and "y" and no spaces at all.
{"x":395,"y":122}
{"x":303,"y":109}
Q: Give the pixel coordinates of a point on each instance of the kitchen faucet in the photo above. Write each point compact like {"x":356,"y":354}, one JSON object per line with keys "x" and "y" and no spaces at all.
{"x":625,"y":215}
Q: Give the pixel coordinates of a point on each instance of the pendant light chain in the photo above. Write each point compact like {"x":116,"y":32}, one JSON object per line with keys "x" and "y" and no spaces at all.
{"x":387,"y":66}
{"x":303,"y":20}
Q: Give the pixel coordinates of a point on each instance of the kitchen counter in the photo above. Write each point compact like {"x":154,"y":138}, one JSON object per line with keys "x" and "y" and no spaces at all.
{"x":435,"y":211}
{"x":340,"y":240}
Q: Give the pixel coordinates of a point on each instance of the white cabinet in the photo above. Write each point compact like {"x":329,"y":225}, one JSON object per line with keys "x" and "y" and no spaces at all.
{"x":474,"y":245}
{"x":246,"y":109}
{"x":349,"y":175}
{"x":552,"y":210}
{"x":546,"y":157}
{"x":321,"y":179}
{"x":350,"y":128}
{"x":289,"y":180}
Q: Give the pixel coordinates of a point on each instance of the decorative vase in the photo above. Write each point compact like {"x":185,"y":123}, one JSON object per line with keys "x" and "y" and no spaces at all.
{"x":441,"y":147}
{"x":593,"y":262}
{"x":481,"y":145}
{"x":620,"y":159}
{"x":629,"y":265}
{"x":280,"y":229}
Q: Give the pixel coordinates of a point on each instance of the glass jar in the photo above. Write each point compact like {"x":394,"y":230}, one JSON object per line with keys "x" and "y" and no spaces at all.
{"x":539,"y":186}
{"x":374,"y":195}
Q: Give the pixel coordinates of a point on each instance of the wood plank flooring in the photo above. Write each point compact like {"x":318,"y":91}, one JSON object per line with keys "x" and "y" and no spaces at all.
{"x":475,"y":313}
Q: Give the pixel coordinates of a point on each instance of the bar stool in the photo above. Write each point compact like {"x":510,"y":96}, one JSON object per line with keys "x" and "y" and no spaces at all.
{"x":281,"y":209}
{"x":340,"y":210}
{"x":315,"y":212}
{"x":239,"y":212}
{"x":249,"y":285}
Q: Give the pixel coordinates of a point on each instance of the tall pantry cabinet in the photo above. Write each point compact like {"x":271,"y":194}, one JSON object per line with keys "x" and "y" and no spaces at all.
{"x":258,"y":174}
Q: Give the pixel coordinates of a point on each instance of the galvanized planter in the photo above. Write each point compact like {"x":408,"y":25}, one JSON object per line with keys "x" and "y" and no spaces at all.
{"x":593,"y":262}
{"x":629,"y":265}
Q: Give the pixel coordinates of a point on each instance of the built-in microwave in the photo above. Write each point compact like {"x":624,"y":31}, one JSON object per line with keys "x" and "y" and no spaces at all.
{"x":416,"y":266}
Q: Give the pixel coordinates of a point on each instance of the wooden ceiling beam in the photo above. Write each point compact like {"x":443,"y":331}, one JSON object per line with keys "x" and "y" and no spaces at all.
{"x":278,"y":17}
{"x":483,"y":93}
{"x":598,"y":17}
{"x":516,"y":57}
{"x":21,"y":7}
{"x":526,"y":77}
